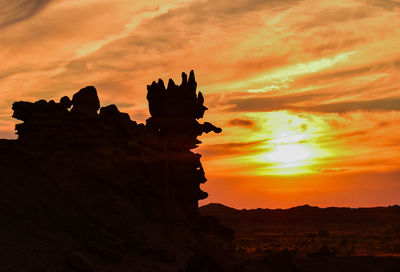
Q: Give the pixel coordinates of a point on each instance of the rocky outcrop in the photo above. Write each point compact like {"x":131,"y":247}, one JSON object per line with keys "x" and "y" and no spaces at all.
{"x":85,"y":188}
{"x":174,"y":113}
{"x":86,"y":102}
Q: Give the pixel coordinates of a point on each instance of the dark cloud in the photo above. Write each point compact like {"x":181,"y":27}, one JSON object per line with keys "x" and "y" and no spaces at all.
{"x":333,"y":171}
{"x":386,"y":104}
{"x":241,"y":123}
{"x":269,"y":103}
{"x":13,"y":11}
{"x":232,"y":149}
{"x":384,"y":4}
{"x":384,"y":124}
{"x":288,"y":102}
{"x":220,"y":9}
{"x":353,"y":134}
{"x":336,"y":75}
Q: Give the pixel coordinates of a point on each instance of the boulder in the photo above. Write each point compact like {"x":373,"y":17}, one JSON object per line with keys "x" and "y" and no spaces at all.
{"x":86,"y":102}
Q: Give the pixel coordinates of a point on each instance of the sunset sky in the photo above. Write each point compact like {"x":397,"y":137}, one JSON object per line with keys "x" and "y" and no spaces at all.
{"x":307,"y":92}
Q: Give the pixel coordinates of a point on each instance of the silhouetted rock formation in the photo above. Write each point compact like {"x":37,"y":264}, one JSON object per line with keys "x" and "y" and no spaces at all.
{"x":86,"y":102}
{"x":89,"y":191}
{"x":174,"y":113}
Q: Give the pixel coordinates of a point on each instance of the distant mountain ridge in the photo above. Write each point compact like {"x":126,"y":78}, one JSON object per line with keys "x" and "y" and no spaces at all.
{"x":304,"y":214}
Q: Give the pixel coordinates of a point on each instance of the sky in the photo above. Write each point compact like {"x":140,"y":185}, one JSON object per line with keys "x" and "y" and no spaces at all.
{"x":307,"y":92}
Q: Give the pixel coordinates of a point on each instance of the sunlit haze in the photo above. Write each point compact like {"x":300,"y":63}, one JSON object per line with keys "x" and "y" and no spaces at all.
{"x":307,"y":92}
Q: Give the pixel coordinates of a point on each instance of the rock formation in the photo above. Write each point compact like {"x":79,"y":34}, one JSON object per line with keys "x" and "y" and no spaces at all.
{"x":85,"y":188}
{"x":174,"y":112}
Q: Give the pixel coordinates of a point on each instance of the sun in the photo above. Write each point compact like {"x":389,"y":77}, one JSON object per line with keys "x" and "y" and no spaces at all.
{"x":288,"y":159}
{"x":291,"y":146}
{"x":289,"y":154}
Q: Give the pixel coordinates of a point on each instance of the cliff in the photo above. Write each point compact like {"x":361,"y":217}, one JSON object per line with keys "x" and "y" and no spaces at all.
{"x":85,"y":188}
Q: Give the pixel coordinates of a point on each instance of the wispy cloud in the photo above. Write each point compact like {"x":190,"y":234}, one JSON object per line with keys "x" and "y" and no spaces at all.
{"x":241,"y":122}
{"x":14,"y":11}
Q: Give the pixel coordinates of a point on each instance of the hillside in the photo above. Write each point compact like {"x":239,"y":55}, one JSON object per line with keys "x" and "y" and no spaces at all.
{"x":305,"y":215}
{"x":350,"y":234}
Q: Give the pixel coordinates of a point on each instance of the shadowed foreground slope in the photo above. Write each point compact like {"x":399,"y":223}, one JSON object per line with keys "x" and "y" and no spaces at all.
{"x":89,"y":190}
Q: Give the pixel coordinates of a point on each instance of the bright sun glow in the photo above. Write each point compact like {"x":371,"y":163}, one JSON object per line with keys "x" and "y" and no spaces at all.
{"x":289,"y":158}
{"x":292,"y":146}
{"x":288,"y":154}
